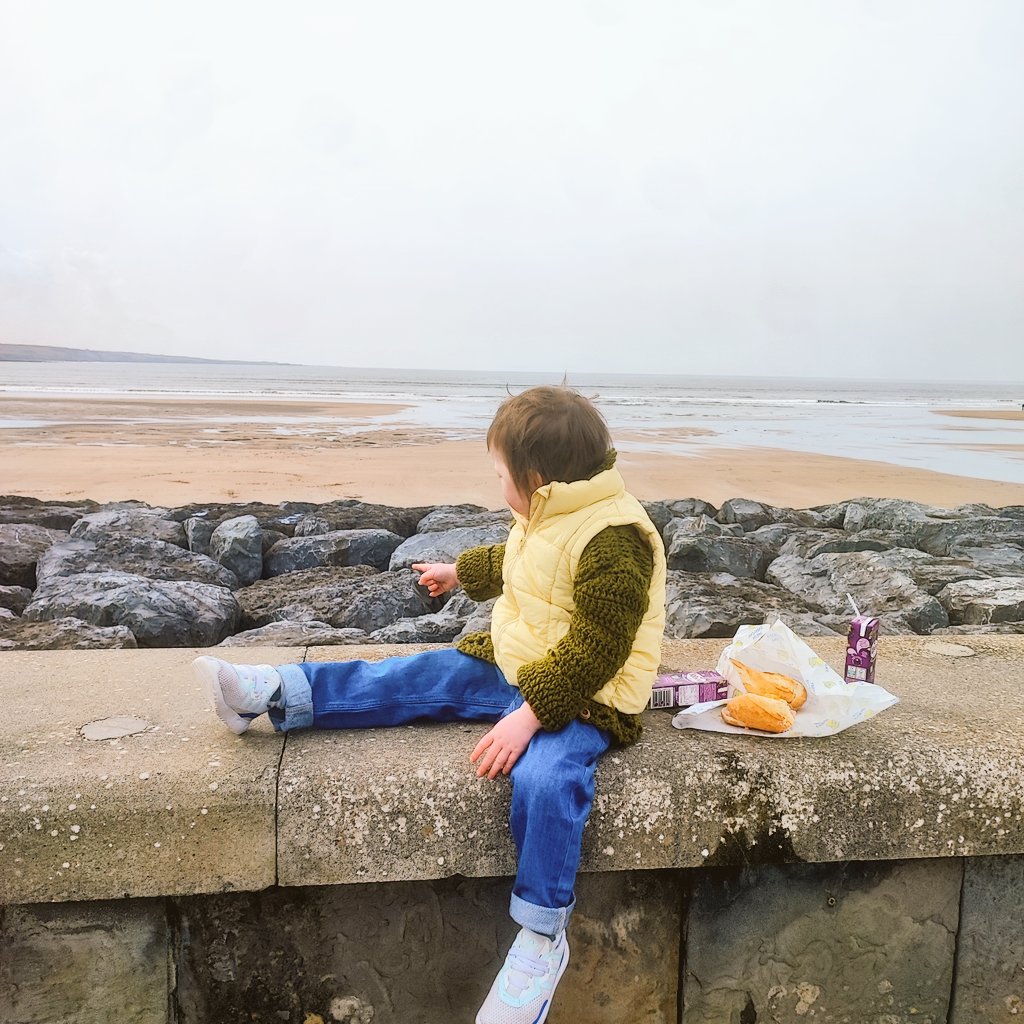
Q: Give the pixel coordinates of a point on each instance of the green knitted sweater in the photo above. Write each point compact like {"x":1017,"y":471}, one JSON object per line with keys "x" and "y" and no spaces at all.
{"x":610,"y":600}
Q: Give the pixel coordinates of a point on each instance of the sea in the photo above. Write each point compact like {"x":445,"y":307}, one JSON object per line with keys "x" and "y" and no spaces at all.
{"x":894,"y":421}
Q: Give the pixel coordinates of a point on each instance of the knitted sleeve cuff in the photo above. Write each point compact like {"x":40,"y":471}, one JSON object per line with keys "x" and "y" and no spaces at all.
{"x":555,"y":706}
{"x":479,"y":571}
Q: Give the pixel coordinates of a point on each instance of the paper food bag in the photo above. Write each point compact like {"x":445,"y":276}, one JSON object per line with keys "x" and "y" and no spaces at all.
{"x":832,"y":704}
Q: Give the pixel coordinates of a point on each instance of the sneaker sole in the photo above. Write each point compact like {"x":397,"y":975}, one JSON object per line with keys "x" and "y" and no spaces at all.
{"x":205,"y":671}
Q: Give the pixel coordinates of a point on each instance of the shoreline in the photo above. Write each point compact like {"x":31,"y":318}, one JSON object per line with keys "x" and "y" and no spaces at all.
{"x":184,"y":450}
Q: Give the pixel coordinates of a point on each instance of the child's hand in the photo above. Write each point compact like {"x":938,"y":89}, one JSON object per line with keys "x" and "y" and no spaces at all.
{"x":504,"y":744}
{"x":437,"y":577}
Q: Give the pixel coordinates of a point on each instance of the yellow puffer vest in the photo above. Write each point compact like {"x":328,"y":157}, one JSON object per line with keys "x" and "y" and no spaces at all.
{"x":541,"y":558}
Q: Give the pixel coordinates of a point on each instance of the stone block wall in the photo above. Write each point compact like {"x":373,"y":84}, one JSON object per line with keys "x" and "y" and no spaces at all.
{"x":931,"y":941}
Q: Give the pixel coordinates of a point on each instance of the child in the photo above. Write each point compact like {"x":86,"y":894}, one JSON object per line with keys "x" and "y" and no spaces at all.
{"x":567,"y":667}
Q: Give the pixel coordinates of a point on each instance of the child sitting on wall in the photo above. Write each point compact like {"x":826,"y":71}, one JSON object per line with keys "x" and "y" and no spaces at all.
{"x":565,"y":670}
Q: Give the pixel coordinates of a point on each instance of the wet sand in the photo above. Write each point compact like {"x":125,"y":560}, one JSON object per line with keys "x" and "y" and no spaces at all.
{"x":176,"y":451}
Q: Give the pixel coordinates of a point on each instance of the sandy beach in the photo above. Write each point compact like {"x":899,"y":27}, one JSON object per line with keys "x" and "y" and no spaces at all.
{"x":169,"y":451}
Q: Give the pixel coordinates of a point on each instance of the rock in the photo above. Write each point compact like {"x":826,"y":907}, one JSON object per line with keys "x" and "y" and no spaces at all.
{"x":151,"y":523}
{"x":60,"y":516}
{"x":237,"y":544}
{"x":479,"y":620}
{"x":808,"y":543}
{"x":697,"y":525}
{"x":342,"y":547}
{"x":349,"y":514}
{"x":20,"y":548}
{"x":753,"y":514}
{"x":934,"y":530}
{"x":281,"y":518}
{"x":437,"y":628}
{"x":344,"y":597}
{"x":716,"y":605}
{"x":446,"y":546}
{"x":140,"y":556}
{"x":998,"y":628}
{"x":454,"y":517}
{"x":270,"y":538}
{"x":772,"y":537}
{"x":660,"y":514}
{"x":929,"y":572}
{"x":996,"y":560}
{"x":198,"y":532}
{"x":830,"y":517}
{"x":824,"y":582}
{"x":295,"y":634}
{"x":6,"y":613}
{"x":15,"y":598}
{"x":159,"y":613}
{"x":63,"y":634}
{"x":980,"y":602}
{"x":683,"y":507}
{"x":708,"y":554}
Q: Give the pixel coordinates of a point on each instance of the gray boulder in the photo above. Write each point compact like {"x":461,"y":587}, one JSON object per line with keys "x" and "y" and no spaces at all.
{"x":702,"y":553}
{"x":809,"y":542}
{"x":15,"y":599}
{"x":446,"y":546}
{"x":935,"y":531}
{"x":681,"y":508}
{"x":436,"y":628}
{"x":21,"y":545}
{"x":150,"y":523}
{"x":65,"y":634}
{"x":343,"y":597}
{"x":237,"y":544}
{"x":659,"y":513}
{"x":772,"y":537}
{"x":980,"y":602}
{"x":198,"y":532}
{"x":824,"y":582}
{"x":349,"y":514}
{"x":454,"y":517}
{"x":342,"y":547}
{"x":695,"y":525}
{"x":479,"y":620}
{"x":996,"y":560}
{"x":752,"y":514}
{"x":153,"y":559}
{"x":716,"y":605}
{"x":281,"y":518}
{"x":159,"y":613}
{"x":54,"y":516}
{"x":295,"y":634}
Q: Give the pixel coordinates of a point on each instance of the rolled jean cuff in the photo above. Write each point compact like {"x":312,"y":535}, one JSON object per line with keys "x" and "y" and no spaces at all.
{"x":297,"y":694}
{"x":550,"y":921}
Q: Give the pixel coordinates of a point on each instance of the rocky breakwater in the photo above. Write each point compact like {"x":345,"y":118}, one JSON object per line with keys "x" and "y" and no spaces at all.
{"x":82,"y":575}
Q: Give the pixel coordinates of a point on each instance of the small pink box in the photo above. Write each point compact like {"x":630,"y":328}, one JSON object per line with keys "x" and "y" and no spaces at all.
{"x":681,"y":689}
{"x":862,"y":645}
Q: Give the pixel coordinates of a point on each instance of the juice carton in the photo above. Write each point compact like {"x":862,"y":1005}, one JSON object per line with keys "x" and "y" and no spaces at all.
{"x":681,"y":689}
{"x":860,"y":650}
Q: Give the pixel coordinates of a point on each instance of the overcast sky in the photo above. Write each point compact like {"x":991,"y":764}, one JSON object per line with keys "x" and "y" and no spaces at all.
{"x":781,"y":187}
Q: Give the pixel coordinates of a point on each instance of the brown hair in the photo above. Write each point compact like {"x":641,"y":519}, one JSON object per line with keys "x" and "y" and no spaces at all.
{"x":552,"y":433}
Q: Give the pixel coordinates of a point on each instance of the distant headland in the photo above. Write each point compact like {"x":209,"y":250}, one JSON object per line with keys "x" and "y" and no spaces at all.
{"x":57,"y":353}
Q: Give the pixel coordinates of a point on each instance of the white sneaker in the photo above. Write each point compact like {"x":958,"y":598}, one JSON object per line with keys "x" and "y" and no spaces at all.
{"x":522,"y":991}
{"x":237,"y":693}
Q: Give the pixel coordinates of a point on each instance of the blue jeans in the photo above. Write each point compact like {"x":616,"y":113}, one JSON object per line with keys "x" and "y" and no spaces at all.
{"x":552,"y":782}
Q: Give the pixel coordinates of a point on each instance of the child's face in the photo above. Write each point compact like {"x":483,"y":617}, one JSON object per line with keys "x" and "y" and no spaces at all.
{"x":514,"y":498}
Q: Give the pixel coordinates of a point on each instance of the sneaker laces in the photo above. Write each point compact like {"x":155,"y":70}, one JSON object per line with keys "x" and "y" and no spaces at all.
{"x":521,"y":968}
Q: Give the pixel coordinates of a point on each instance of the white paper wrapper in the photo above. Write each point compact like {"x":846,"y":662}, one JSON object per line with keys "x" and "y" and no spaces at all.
{"x":832,"y":704}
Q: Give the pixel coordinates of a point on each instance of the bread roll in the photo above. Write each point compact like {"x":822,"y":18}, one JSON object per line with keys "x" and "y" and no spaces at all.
{"x":752,"y":711}
{"x":771,"y":684}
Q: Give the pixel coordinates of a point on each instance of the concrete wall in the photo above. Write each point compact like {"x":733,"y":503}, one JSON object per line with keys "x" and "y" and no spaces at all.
{"x":179,"y":874}
{"x":929,"y":941}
